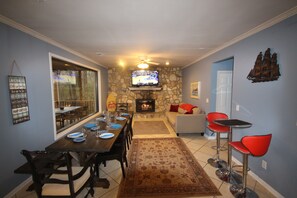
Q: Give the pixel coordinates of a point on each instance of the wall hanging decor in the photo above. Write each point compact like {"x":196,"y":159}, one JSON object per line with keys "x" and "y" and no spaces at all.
{"x":265,"y":68}
{"x":195,"y":89}
{"x":18,"y":97}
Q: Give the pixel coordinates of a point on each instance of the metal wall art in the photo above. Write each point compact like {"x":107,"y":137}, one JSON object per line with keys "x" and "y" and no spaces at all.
{"x":18,"y":99}
{"x":265,"y":69}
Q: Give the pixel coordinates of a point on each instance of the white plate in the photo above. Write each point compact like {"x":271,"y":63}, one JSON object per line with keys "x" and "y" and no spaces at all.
{"x":79,"y":139}
{"x":101,"y":119}
{"x":106,"y":135}
{"x":75,"y":135}
{"x":121,"y":118}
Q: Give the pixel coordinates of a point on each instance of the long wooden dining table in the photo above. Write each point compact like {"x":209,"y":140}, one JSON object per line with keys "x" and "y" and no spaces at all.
{"x":91,"y":144}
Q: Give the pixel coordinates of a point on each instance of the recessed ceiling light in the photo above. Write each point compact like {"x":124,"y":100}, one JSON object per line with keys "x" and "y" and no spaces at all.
{"x":167,"y":63}
{"x":142,"y":65}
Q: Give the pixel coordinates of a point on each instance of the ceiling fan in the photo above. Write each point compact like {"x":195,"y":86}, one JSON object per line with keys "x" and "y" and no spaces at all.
{"x":144,"y":61}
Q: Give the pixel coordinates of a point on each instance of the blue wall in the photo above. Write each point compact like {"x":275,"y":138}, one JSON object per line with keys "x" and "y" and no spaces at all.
{"x":32,"y":57}
{"x":269,"y":106}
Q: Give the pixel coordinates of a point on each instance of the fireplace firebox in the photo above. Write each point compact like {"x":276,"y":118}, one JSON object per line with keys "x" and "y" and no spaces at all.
{"x":145,"y":105}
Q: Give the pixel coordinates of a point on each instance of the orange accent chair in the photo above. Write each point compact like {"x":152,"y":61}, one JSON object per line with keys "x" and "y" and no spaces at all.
{"x":218,"y":129}
{"x":256,"y":146}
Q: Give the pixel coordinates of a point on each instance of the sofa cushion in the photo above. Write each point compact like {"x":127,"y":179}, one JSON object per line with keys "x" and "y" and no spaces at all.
{"x":174,"y":108}
{"x":196,"y":110}
{"x":181,"y":110}
{"x":171,"y":116}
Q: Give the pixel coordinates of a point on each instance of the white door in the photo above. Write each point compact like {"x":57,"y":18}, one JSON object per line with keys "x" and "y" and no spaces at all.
{"x":224,"y":93}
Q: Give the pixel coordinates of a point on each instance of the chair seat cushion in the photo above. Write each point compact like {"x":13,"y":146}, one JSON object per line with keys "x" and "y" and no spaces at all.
{"x":63,"y":189}
{"x":239,"y":147}
{"x":218,"y":128}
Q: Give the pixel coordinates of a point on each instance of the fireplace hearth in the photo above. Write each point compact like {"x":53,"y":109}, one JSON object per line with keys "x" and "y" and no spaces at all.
{"x":145,"y":105}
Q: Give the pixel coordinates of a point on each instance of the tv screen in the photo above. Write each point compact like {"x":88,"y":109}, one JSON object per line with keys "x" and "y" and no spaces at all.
{"x":145,"y":78}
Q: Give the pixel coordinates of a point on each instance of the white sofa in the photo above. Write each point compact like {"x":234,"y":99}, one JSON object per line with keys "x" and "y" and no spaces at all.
{"x":187,"y":123}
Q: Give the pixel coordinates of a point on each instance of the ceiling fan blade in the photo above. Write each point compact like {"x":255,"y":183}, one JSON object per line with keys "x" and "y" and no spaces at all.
{"x":153,"y":63}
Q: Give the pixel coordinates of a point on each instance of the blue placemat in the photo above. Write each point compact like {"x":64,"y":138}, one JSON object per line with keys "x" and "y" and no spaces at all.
{"x":89,"y":125}
{"x":115,"y":125}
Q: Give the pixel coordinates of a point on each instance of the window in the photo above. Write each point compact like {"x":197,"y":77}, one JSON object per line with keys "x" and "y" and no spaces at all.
{"x":75,"y":93}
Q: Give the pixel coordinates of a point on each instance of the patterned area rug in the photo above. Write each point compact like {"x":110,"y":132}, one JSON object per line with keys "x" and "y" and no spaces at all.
{"x":149,"y":127}
{"x":164,"y":167}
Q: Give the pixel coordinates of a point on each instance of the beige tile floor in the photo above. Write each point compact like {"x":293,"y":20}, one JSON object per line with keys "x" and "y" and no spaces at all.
{"x":198,"y":145}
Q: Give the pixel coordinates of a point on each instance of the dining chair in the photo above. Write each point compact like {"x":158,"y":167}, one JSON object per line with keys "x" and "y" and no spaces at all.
{"x":122,"y":107}
{"x":130,"y":129}
{"x":218,"y":129}
{"x":58,"y":178}
{"x":118,"y":152}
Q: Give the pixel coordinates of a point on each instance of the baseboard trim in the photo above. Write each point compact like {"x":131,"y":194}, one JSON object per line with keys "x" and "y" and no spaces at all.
{"x":261,"y":181}
{"x":18,"y":188}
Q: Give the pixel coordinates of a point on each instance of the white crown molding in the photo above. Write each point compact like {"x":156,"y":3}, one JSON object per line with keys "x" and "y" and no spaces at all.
{"x":263,"y":26}
{"x":44,"y":38}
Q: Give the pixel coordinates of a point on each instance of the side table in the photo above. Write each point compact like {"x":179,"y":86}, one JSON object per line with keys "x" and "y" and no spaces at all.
{"x":226,"y":174}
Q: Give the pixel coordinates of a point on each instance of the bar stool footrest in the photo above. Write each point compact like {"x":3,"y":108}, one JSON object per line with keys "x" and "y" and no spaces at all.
{"x":225,"y":175}
{"x":239,"y":192}
{"x":217,"y":163}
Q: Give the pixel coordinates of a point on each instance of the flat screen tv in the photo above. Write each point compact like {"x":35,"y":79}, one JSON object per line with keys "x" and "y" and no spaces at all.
{"x":145,"y":78}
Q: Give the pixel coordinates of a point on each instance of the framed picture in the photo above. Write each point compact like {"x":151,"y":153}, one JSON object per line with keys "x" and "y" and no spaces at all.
{"x":18,"y":99}
{"x":195,"y":89}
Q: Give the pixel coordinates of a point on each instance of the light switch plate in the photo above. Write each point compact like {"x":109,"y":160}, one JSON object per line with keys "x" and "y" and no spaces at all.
{"x":237,"y":107}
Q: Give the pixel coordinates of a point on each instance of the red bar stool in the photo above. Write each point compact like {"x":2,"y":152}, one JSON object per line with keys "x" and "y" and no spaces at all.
{"x":218,"y":129}
{"x":256,"y":146}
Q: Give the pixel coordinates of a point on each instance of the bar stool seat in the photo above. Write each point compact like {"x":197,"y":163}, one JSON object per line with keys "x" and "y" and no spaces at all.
{"x":256,"y":146}
{"x":218,"y":129}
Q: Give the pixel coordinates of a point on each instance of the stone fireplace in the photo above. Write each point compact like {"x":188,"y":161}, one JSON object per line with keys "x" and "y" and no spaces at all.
{"x":119,"y":82}
{"x":145,"y":105}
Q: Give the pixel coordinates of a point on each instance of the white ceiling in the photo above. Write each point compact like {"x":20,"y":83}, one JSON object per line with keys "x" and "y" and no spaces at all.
{"x":178,"y":31}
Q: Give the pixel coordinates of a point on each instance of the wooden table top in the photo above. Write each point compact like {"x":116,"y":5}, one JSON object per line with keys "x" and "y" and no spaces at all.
{"x":91,"y":144}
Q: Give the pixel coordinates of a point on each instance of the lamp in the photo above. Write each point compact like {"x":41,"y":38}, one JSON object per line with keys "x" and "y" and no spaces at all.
{"x":143,"y":65}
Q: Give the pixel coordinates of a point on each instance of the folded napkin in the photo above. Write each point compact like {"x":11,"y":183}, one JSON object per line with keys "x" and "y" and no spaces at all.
{"x":89,"y":125}
{"x":115,"y":125}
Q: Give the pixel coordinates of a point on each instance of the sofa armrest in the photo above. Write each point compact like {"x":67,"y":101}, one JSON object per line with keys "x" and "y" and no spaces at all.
{"x":190,"y":123}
